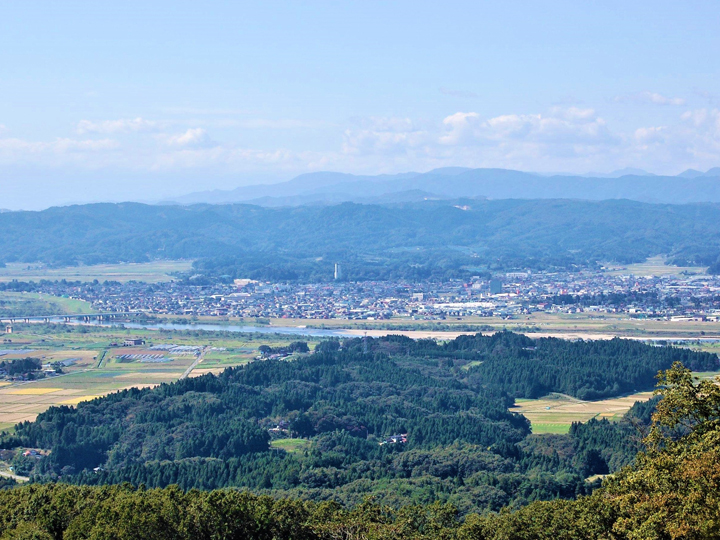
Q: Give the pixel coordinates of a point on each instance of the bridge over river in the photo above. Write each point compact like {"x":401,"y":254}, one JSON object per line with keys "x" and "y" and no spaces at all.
{"x":70,"y":317}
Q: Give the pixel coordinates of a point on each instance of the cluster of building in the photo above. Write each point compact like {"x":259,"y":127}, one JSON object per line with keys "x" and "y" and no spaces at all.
{"x":507,"y":295}
{"x":400,"y":438}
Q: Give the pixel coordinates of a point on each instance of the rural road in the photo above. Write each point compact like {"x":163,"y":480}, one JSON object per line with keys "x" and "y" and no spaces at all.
{"x":14,"y":476}
{"x":199,"y":359}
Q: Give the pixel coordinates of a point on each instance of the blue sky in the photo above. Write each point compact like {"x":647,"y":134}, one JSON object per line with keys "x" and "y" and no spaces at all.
{"x":146,"y":100}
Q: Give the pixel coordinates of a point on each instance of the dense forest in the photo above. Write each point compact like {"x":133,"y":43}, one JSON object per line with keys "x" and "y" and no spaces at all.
{"x":670,"y":492}
{"x":408,"y":421}
{"x":430,"y":239}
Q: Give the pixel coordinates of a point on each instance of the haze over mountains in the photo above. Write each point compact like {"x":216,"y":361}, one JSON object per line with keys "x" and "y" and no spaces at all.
{"x":690,"y":186}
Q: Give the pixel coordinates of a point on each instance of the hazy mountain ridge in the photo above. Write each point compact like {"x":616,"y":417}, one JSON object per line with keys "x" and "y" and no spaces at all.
{"x":453,"y":182}
{"x":300,"y":240}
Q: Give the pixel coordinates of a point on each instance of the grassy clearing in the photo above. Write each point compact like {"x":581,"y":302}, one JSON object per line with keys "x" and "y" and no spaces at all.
{"x":152,"y":272}
{"x":35,"y":304}
{"x":291,"y":445}
{"x":472,"y":364}
{"x":557,"y":429}
{"x":68,"y":305}
{"x":553,"y":413}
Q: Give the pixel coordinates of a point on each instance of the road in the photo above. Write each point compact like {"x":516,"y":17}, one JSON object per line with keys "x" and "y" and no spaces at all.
{"x":14,"y":476}
{"x":199,"y":359}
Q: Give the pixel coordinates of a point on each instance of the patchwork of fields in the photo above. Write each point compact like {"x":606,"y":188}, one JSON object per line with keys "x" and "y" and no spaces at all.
{"x":94,"y":365}
{"x":556,"y":412}
{"x":152,"y":272}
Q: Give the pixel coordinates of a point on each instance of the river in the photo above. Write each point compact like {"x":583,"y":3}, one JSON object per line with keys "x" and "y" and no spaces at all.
{"x":245,"y":329}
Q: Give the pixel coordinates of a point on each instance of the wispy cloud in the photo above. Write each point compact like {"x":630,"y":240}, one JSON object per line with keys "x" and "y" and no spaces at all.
{"x":652,"y":98}
{"x":457,"y":93}
{"x":568,"y":138}
{"x":123,"y":125}
{"x":203,"y":111}
{"x":58,"y":146}
{"x":192,"y":138}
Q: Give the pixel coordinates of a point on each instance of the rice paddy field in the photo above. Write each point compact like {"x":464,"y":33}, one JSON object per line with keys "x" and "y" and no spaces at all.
{"x":152,"y":272}
{"x":654,"y":266}
{"x":556,"y":412}
{"x":95,"y":363}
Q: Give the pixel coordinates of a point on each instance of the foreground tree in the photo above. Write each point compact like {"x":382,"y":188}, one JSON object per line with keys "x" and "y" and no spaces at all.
{"x":671,"y":492}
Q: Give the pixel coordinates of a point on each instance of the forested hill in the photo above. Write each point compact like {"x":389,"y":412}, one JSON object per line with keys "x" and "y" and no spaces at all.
{"x":446,"y":403}
{"x":671,"y":492}
{"x":373,"y":240}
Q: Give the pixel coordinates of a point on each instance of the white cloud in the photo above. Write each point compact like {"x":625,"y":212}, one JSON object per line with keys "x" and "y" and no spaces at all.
{"x":123,"y":125}
{"x":60,"y":153}
{"x":58,"y":146}
{"x":652,"y":98}
{"x":192,"y":138}
{"x":562,"y":126}
{"x":384,"y":135}
{"x":651,"y":135}
{"x":573,"y":138}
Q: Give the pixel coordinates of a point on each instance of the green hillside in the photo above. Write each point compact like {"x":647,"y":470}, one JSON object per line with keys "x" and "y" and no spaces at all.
{"x":411,"y":240}
{"x":670,"y":493}
{"x":393,"y":418}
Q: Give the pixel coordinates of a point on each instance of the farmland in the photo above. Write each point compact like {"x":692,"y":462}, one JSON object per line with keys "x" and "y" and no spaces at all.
{"x":556,"y":412}
{"x":98,"y":364}
{"x":95,"y":363}
{"x":152,"y":272}
{"x":653,"y":266}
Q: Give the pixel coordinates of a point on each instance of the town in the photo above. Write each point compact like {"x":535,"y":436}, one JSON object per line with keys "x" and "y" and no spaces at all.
{"x":693,"y":297}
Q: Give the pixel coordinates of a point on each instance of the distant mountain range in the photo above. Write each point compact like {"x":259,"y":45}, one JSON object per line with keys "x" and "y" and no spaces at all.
{"x":415,"y":240}
{"x":453,"y":182}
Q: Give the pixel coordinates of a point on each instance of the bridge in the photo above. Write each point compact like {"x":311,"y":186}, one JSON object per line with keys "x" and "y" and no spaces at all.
{"x":70,"y":317}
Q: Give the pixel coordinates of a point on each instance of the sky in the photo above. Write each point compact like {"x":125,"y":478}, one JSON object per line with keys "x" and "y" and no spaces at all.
{"x":110,"y":101}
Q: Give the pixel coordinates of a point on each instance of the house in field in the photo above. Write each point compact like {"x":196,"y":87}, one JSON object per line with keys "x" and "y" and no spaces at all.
{"x":132,"y":342}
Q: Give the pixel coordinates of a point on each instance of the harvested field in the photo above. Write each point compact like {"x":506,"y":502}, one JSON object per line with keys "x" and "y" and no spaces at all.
{"x":556,"y":412}
{"x":32,"y":391}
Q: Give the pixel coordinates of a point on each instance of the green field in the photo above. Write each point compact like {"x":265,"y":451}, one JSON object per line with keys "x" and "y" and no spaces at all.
{"x":556,"y":412}
{"x":152,"y":272}
{"x":654,"y":266}
{"x":557,"y":429}
{"x":98,"y":369}
{"x":291,"y":445}
{"x":15,"y":304}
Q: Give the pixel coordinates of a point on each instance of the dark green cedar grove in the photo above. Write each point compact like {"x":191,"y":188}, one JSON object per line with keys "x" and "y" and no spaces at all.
{"x":671,"y":492}
{"x":464,"y":444}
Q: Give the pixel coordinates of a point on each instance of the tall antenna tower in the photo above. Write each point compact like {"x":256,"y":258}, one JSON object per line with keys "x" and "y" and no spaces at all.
{"x":365,"y":349}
